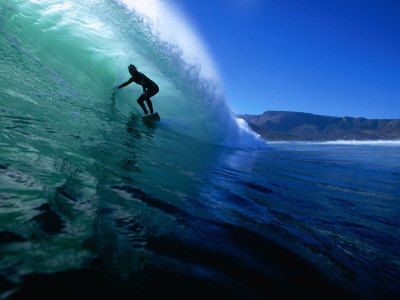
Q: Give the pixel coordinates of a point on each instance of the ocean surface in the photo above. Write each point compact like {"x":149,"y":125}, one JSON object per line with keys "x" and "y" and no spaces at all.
{"x":94,"y":202}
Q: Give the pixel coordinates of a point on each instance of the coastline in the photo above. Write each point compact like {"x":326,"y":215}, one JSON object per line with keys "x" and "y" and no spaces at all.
{"x":286,"y":126}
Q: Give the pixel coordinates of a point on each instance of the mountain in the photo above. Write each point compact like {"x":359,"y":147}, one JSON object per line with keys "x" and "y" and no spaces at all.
{"x":297,"y":126}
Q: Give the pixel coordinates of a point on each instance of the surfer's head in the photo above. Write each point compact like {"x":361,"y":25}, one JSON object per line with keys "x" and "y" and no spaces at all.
{"x":132,"y":69}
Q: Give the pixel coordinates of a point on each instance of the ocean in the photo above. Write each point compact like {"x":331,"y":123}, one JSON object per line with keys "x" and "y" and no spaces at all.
{"x":94,"y":202}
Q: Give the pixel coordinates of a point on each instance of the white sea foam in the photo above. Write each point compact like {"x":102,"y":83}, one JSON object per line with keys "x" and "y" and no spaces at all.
{"x":343,"y":142}
{"x":170,"y":24}
{"x":355,"y":142}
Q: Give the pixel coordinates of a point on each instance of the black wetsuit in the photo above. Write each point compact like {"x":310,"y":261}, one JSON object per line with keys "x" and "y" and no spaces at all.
{"x":148,"y":85}
{"x":150,"y":88}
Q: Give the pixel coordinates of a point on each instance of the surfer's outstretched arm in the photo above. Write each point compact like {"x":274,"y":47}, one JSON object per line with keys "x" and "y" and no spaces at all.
{"x":126,"y":83}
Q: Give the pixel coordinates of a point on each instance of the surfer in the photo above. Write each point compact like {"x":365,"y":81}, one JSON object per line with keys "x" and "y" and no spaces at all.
{"x":150,"y":88}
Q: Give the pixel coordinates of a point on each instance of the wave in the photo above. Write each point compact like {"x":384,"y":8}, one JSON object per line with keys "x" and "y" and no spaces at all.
{"x":83,"y":49}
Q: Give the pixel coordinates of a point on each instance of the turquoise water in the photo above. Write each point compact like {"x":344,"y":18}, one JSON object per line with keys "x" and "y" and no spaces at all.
{"x":194,"y":206}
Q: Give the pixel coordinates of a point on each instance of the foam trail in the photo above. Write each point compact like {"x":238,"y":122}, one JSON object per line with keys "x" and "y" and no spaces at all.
{"x":345,"y":142}
{"x":357,"y":143}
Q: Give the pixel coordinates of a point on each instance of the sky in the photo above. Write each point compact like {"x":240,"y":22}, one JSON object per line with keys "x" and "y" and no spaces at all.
{"x":336,"y":57}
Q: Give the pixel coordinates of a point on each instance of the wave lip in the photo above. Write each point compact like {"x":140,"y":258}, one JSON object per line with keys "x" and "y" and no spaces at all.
{"x":169,"y":23}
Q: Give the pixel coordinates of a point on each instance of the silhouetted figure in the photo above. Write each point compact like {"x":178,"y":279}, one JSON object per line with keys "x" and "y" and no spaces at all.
{"x":150,"y":88}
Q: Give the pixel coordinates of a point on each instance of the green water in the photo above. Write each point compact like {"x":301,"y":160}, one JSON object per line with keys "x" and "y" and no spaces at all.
{"x":65,"y":131}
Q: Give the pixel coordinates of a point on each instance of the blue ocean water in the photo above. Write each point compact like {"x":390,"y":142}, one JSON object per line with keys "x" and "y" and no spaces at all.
{"x":96,"y":203}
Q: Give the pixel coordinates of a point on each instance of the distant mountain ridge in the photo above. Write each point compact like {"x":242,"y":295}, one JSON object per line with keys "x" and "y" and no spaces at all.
{"x":298,"y":126}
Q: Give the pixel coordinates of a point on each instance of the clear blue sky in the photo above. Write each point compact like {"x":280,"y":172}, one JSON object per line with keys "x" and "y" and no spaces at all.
{"x":336,"y":57}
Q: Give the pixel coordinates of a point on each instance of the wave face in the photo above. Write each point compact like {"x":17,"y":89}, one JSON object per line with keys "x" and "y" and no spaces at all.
{"x":69,"y":55}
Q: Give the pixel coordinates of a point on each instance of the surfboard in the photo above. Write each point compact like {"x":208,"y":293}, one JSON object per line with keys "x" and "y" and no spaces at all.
{"x":152,"y":117}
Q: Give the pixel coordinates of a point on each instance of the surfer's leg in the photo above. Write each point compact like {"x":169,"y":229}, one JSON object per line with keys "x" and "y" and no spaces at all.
{"x":141,"y":99}
{"x":150,"y":105}
{"x":151,"y":93}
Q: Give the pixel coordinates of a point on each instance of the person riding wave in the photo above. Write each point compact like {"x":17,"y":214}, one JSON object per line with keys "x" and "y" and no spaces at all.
{"x":150,"y":88}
